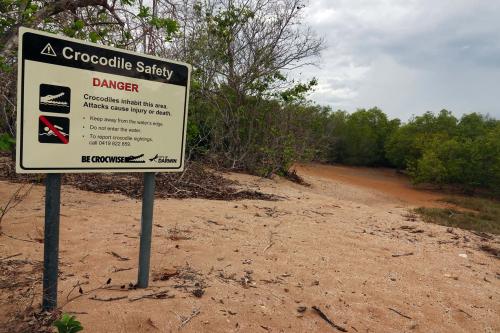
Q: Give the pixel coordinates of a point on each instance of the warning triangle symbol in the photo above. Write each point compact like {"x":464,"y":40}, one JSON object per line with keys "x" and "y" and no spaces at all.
{"x":48,"y":50}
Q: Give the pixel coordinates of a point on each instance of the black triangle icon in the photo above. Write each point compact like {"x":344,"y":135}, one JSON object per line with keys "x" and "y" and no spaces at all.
{"x":48,"y":50}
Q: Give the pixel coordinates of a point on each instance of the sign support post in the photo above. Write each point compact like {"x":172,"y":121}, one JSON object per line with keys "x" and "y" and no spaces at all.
{"x":146,"y":229}
{"x":51,"y":240}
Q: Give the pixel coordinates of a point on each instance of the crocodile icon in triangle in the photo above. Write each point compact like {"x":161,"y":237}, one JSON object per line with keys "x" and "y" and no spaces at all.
{"x":49,"y":50}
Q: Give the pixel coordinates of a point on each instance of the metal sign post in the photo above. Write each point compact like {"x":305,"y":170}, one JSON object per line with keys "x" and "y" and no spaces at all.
{"x":51,"y":240}
{"x":51,"y":236}
{"x":146,"y":229}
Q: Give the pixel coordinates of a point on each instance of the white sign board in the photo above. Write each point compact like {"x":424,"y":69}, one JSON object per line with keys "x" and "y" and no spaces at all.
{"x":89,"y":108}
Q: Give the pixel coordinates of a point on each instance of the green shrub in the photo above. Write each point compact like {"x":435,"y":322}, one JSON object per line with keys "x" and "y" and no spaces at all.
{"x":68,"y":324}
{"x":7,"y":142}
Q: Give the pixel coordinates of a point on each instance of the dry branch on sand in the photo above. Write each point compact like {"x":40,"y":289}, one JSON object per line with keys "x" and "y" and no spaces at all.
{"x":186,"y":320}
{"x":328,"y":320}
{"x":399,"y":313}
{"x":119,"y":257}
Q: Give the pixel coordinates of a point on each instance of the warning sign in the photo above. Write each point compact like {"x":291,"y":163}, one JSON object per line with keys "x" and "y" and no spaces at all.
{"x":48,"y":50}
{"x":89,"y":108}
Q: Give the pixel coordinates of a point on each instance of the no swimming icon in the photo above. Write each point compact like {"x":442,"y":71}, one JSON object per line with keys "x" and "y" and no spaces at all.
{"x":53,"y":130}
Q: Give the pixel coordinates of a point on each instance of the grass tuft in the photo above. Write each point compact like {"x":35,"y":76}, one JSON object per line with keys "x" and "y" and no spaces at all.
{"x":479,"y":214}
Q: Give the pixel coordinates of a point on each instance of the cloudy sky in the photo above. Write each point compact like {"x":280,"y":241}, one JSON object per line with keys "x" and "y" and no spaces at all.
{"x":408,"y":56}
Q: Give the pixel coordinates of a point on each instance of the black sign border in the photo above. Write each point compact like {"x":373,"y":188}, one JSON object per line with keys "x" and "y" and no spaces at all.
{"x":152,"y":169}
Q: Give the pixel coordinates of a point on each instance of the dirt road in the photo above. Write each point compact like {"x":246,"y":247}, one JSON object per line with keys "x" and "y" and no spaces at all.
{"x":353,"y":251}
{"x":382,"y":180}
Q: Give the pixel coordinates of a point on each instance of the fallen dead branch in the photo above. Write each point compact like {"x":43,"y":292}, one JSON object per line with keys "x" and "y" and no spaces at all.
{"x":402,"y":254}
{"x":292,"y":176}
{"x":116,"y":255}
{"x":213,"y":222}
{"x":77,"y":285}
{"x":81,"y":292}
{"x":319,"y":213}
{"x":82,"y":260}
{"x":186,"y":320}
{"x":328,"y":320}
{"x":116,"y":270}
{"x":17,"y":238}
{"x":495,"y":252}
{"x":483,"y":235}
{"x":468,"y":314}
{"x":11,"y":256}
{"x":162,"y":294}
{"x":77,"y":312}
{"x":271,"y":242}
{"x":106,"y":299}
{"x":399,"y":313}
{"x":165,"y":274}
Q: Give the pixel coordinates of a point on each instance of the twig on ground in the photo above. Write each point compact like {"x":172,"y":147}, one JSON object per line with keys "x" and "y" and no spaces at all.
{"x":156,"y":295}
{"x":193,"y":314}
{"x":116,"y":255}
{"x":402,"y":254}
{"x":271,"y":242}
{"x":399,"y":313}
{"x":83,"y":258}
{"x":12,"y":256}
{"x":494,"y":251}
{"x":77,"y":312}
{"x":116,"y":270}
{"x":468,"y":315}
{"x":483,"y":235}
{"x":107,"y":299}
{"x":82,"y":293}
{"x":16,"y":238}
{"x":319,"y":213}
{"x":133,"y":237}
{"x":77,"y":285}
{"x":328,"y":320}
{"x":213,"y":222}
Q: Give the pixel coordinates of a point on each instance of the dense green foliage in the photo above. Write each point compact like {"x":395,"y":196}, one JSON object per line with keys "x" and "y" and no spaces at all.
{"x":359,"y":138}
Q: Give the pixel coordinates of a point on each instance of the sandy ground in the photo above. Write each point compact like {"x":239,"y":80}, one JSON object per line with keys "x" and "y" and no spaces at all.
{"x":331,"y":245}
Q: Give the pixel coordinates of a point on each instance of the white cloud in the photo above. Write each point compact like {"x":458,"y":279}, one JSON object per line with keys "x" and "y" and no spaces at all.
{"x":408,"y":56}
